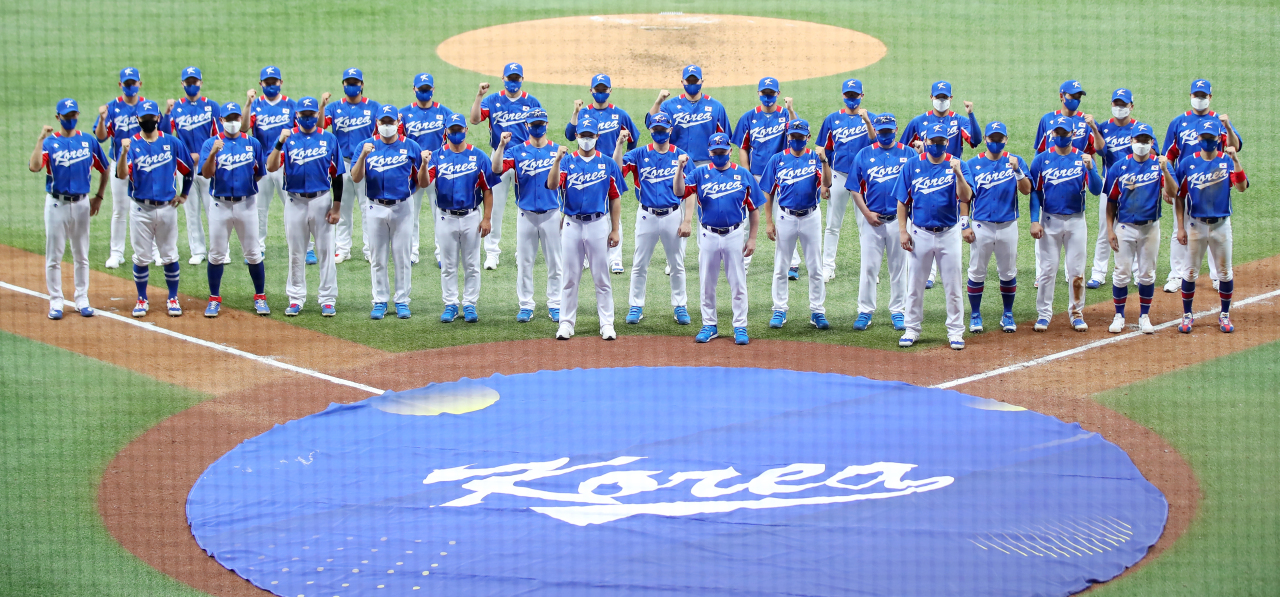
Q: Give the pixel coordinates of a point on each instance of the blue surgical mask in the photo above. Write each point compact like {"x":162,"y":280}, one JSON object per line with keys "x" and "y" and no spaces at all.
{"x":130,"y":90}
{"x":660,"y":137}
{"x":271,"y":90}
{"x":1071,"y":104}
{"x":457,"y":138}
{"x":423,"y":96}
{"x":720,"y":161}
{"x":692,"y":90}
{"x":768,"y":100}
{"x":796,"y":144}
{"x":995,"y":148}
{"x":885,"y":139}
{"x":538,"y":130}
{"x":934,"y":150}
{"x":191,"y":90}
{"x":1209,"y":144}
{"x":352,"y":91}
{"x":852,"y":104}
{"x":307,"y":123}
{"x":513,"y":86}
{"x":600,"y":97}
{"x":70,"y":124}
{"x":1062,"y":140}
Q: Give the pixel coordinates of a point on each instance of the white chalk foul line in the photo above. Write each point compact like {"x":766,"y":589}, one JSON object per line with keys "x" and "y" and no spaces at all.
{"x":205,"y":343}
{"x":1092,"y":345}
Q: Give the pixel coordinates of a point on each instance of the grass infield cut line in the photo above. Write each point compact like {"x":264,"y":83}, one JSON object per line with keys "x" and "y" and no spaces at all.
{"x":205,"y":343}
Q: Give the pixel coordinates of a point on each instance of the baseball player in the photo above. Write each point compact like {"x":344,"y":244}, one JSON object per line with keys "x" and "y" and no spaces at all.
{"x":1059,"y":179}
{"x":68,"y":157}
{"x":118,"y":120}
{"x":193,"y":120}
{"x":658,"y":216}
{"x":997,"y":178}
{"x":388,"y":166}
{"x":353,"y":122}
{"x":423,"y":123}
{"x":1203,"y":210}
{"x":1133,"y":187}
{"x":612,"y":121}
{"x":539,"y":221}
{"x":797,"y":180}
{"x":591,"y":187}
{"x":1087,"y":137}
{"x":727,"y":196}
{"x":313,"y":179}
{"x":873,"y":173}
{"x":232,"y":163}
{"x":935,"y":187}
{"x":506,"y":112}
{"x":149,"y":161}
{"x":843,"y":134}
{"x":269,"y":114}
{"x":1183,"y":138}
{"x":464,"y":181}
{"x":761,"y":134}
{"x":1117,"y":136}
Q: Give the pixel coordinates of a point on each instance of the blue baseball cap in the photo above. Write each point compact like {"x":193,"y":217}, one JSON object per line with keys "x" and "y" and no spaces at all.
{"x":129,"y":73}
{"x":691,"y":70}
{"x":1070,"y":87}
{"x":798,"y":125}
{"x":191,"y":71}
{"x":536,"y":115}
{"x":456,"y":119}
{"x":230,"y":108}
{"x":884,"y":121}
{"x":388,"y":110}
{"x":1064,"y":123}
{"x":1122,"y":94}
{"x":935,"y":131}
{"x":601,"y":79}
{"x":940,"y":88}
{"x":270,"y":72}
{"x":587,"y":124}
{"x":424,"y":79}
{"x":67,"y":105}
{"x":1196,"y":85}
{"x":513,"y":69}
{"x":660,"y":119}
{"x":768,"y":83}
{"x":149,"y":108}
{"x":1210,"y":126}
{"x":308,"y":103}
{"x":353,"y":73}
{"x":855,"y":86}
{"x":1143,"y":129}
{"x":718,"y":141}
{"x":995,"y":126}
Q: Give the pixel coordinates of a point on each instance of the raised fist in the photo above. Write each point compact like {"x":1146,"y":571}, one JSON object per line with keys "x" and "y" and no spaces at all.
{"x":252,"y":93}
{"x":1088,"y":119}
{"x":484,"y":87}
{"x":786,"y":101}
{"x":1164,"y":162}
{"x":955,"y":164}
{"x":125,"y":144}
{"x":684,"y":159}
{"x":506,"y":138}
{"x":861,"y":112}
{"x":1230,"y":151}
{"x":168,"y":106}
{"x":623,"y":136}
{"x":560,"y":151}
{"x":1225,"y":121}
{"x":1088,"y":160}
{"x":366,"y":149}
{"x":324,"y":97}
{"x":426,"y":155}
{"x":217,"y":145}
{"x":102,"y":111}
{"x":284,"y":134}
{"x":968,"y":107}
{"x":577,"y":105}
{"x":663,"y":95}
{"x":45,"y":132}
{"x":1013,"y":163}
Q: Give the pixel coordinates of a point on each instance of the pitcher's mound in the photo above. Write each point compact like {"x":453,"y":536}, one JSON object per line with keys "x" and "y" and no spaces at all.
{"x":648,"y":51}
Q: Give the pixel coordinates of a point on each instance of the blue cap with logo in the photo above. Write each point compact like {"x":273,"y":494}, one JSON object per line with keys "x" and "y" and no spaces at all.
{"x":353,"y":73}
{"x":1064,"y":123}
{"x":308,"y":103}
{"x":1143,"y":129}
{"x":587,"y":124}
{"x":935,"y":131}
{"x":149,"y":108}
{"x":424,"y":79}
{"x":1122,"y":94}
{"x":855,"y":86}
{"x":513,"y":69}
{"x":456,"y":119}
{"x":884,"y":121}
{"x":1211,"y":126}
{"x":536,"y":115}
{"x":230,"y":108}
{"x":601,"y":79}
{"x":995,"y":126}
{"x":718,"y":141}
{"x":692,"y":70}
{"x":67,"y":105}
{"x":798,"y":125}
{"x":768,"y":83}
{"x":1202,"y":85}
{"x":129,"y":73}
{"x":388,"y":111}
{"x":660,"y":120}
{"x":191,"y":71}
{"x":1070,"y":87}
{"x":940,"y":88}
{"x":269,"y":72}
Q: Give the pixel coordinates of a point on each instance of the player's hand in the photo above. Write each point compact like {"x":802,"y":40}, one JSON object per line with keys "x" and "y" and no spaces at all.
{"x":1114,"y":241}
{"x":1013,"y":164}
{"x":663,"y":95}
{"x":366,"y":149}
{"x":1037,"y":231}
{"x":918,"y":146}
{"x":126,"y":143}
{"x":484,"y":88}
{"x":1230,"y":151}
{"x":861,"y":112}
{"x":684,"y":159}
{"x":485,"y":227}
{"x":45,"y":131}
{"x":786,"y":102}
{"x":168,"y":106}
{"x":904,"y":239}
{"x":968,"y":107}
{"x":770,"y":231}
{"x":252,"y":93}
{"x":426,"y":156}
{"x":955,"y":165}
{"x":577,"y":105}
{"x":217,"y":145}
{"x":560,"y":152}
{"x":102,"y":111}
{"x":1164,"y":162}
{"x":826,"y":193}
{"x":1088,"y":160}
{"x":614,"y":238}
{"x":623,"y":136}
{"x":874,"y":220}
{"x":684,"y":230}
{"x":504,"y":139}
{"x":94,"y":204}
{"x":1225,"y":121}
{"x":1182,"y":236}
{"x":749,"y":248}
{"x":324,"y":97}
{"x":1088,"y":119}
{"x":334,"y":214}
{"x":284,"y":134}
{"x":968,"y":235}
{"x":179,"y":200}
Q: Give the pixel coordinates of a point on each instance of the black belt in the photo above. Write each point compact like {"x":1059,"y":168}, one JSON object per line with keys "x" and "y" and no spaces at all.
{"x":150,"y":202}
{"x":458,"y":212}
{"x":537,"y":212}
{"x":66,"y":198}
{"x":934,"y":229}
{"x":587,"y":217}
{"x":231,"y":199}
{"x":659,"y":212}
{"x":387,"y":202}
{"x":887,"y":217}
{"x":722,"y":231}
{"x":308,"y":195}
{"x":1140,"y":222}
{"x":1210,"y":220}
{"x":798,"y":213}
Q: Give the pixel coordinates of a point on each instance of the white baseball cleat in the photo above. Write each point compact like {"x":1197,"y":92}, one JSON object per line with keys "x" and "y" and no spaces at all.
{"x":1215,"y":285}
{"x":565,"y":332}
{"x":114,"y":261}
{"x":606,"y":332}
{"x":1117,"y":324}
{"x":340,"y":257}
{"x":1173,"y":286}
{"x":491,"y":262}
{"x":1144,"y":325}
{"x":196,"y":260}
{"x":668,"y":270}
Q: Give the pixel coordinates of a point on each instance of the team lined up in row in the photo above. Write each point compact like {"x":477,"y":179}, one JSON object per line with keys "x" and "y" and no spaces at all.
{"x":388,"y":158}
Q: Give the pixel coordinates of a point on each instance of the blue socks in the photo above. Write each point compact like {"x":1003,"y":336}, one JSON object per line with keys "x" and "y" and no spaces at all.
{"x":215,"y":279}
{"x":171,"y":279}
{"x":258,"y":273}
{"x":1224,"y":292}
{"x":1145,"y":293}
{"x":140,"y":276}
{"x":1188,"y":294}
{"x":1008,"y":290}
{"x":1120,"y":295}
{"x":975,"y":296}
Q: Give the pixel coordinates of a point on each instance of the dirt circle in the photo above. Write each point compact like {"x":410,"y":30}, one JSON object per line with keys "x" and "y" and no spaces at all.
{"x":648,"y":50}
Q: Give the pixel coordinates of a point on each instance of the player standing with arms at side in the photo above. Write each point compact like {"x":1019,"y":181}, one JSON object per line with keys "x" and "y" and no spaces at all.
{"x":354,"y":121}
{"x":871,"y":181}
{"x":506,"y":112}
{"x":1086,"y":137}
{"x":843,"y":134}
{"x":269,"y":114}
{"x":150,"y":160}
{"x":313,"y":179}
{"x":761,"y":134}
{"x":1203,"y":209}
{"x":118,"y":120}
{"x":1117,"y":136}
{"x":935,"y":188}
{"x":193,"y":120}
{"x":797,"y":180}
{"x":423,"y":123}
{"x":539,"y":221}
{"x":232,"y":163}
{"x":68,"y":158}
{"x":612,"y":121}
{"x":998,"y":178}
{"x":727,"y":196}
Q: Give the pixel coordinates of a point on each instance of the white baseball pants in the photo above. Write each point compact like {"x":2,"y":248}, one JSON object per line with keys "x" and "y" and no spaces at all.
{"x":63,"y":222}
{"x":390,"y":227}
{"x":840,"y":199}
{"x":121,"y":206}
{"x":459,"y":241}
{"x":1102,"y":246}
{"x":270,"y":186}
{"x":493,"y":242}
{"x":1213,"y":238}
{"x":713,"y":250}
{"x":154,"y":228}
{"x":651,"y":229}
{"x":421,"y":195}
{"x":195,"y":208}
{"x":534,"y":230}
{"x":999,"y":239}
{"x":1067,"y":235}
{"x":1136,"y":242}
{"x":304,"y":219}
{"x":777,"y":212}
{"x":942,"y":249}
{"x":240,"y":216}
{"x":352,"y":193}
{"x":1180,"y":261}
{"x":807,"y":231}
{"x":588,"y":240}
{"x":877,"y":243}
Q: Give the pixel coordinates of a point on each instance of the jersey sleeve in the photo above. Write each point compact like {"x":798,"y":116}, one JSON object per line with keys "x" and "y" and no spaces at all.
{"x":330,"y":111}
{"x":769,"y":178}
{"x":215,"y":127}
{"x":486,"y":106}
{"x":259,"y":159}
{"x":629,"y":165}
{"x":1093,"y":179}
{"x":691,"y":180}
{"x":571,"y":130}
{"x":630,"y":125}
{"x":722,"y":120}
{"x":755,"y":196}
{"x":1181,"y":174}
{"x":183,"y":157}
{"x":1171,"y":140}
{"x":909,"y":133}
{"x":508,"y":159}
{"x":433,"y":165}
{"x":1039,"y":144}
{"x":854,"y":181}
{"x":619,"y":181}
{"x":337,"y":166}
{"x":487,"y":178}
{"x":742,"y":132}
{"x":1109,"y":185}
{"x":901,"y":186}
{"x":99,"y":156}
{"x":824,"y":136}
{"x":205,"y":150}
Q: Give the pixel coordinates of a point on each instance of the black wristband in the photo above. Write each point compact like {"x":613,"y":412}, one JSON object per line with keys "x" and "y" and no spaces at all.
{"x":279,"y":145}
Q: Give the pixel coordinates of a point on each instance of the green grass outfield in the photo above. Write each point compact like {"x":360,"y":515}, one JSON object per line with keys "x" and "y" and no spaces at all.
{"x":1006,"y":57}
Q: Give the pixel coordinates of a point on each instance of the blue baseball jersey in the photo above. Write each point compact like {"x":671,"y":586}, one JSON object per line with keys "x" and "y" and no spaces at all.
{"x":1206,"y":185}
{"x":1119,"y":141}
{"x":193,"y":123}
{"x":610,"y":120}
{"x":652,"y":172}
{"x":1183,"y":136}
{"x":267,"y":119}
{"x":694,"y":123}
{"x":724,"y":196}
{"x":762,"y":134}
{"x":1135,"y":187}
{"x":995,"y":189}
{"x":122,"y":122}
{"x":793,"y":181}
{"x":391,"y":169}
{"x":1059,"y":182}
{"x":425,"y":126}
{"x":1082,"y":138}
{"x":930,"y":190}
{"x":352,"y":124}
{"x":461,"y":177}
{"x":506,"y":115}
{"x":68,"y":161}
{"x":311,"y":160}
{"x":532,"y":165}
{"x":587,"y":185}
{"x":154,"y":165}
{"x":843,"y":135}
{"x":959,"y":132}
{"x":241,"y":162}
{"x":875,"y":175}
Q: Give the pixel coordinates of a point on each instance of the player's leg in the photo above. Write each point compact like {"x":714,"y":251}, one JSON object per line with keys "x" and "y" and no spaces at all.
{"x":1130,"y":238}
{"x":1006,"y":252}
{"x":809,"y":232}
{"x":297,"y":232}
{"x":548,"y":225}
{"x":469,"y":244}
{"x":78,"y":237}
{"x":573,"y":252}
{"x":1075,"y":242}
{"x":56,"y":228}
{"x":1196,"y":247}
{"x":448,"y":236}
{"x":142,"y":237}
{"x":1101,"y":246}
{"x":919,"y":261}
{"x":493,"y":242}
{"x":615,"y":253}
{"x":596,"y":241}
{"x":416,"y":198}
{"x":673,"y":245}
{"x":346,"y":222}
{"x":166,"y":238}
{"x":896,"y":263}
{"x":646,"y":236}
{"x":736,"y":274}
{"x":836,"y":208}
{"x":787,"y":233}
{"x":375,"y":221}
{"x":269,"y":186}
{"x":1220,"y":249}
{"x":195,"y":208}
{"x":403,"y":225}
{"x":1048,"y":251}
{"x":219,"y":247}
{"x":980,"y":252}
{"x":872,"y":249}
{"x":322,"y":230}
{"x":709,"y":258}
{"x":244,"y":221}
{"x":527,"y":234}
{"x":1178,"y":262}
{"x":121,"y":209}
{"x":1148,"y":252}
{"x":948,"y":260}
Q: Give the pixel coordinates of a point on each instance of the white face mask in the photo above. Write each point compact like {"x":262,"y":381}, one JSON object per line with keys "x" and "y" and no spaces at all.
{"x":586,"y":143}
{"x":388,"y":130}
{"x":1119,"y":112}
{"x":941,"y":105}
{"x":231,"y":127}
{"x":1199,"y":103}
{"x":1141,"y":149}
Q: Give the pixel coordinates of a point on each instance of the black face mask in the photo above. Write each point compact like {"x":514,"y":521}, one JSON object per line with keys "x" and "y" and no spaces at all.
{"x":148,"y":126}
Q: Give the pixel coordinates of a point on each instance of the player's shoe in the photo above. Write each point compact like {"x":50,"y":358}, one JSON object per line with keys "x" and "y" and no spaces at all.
{"x":292,"y":310}
{"x":554,"y":314}
{"x":706,"y":334}
{"x":957,"y":344}
{"x":1215,"y":285}
{"x":1185,"y":326}
{"x":793,"y":273}
{"x":819,"y":320}
{"x":607,"y":332}
{"x":491,"y":262}
{"x":616,"y":267}
{"x":928,"y":284}
{"x":55,"y":314}
{"x":1007,"y":323}
{"x":899,"y":321}
{"x":863,"y":321}
{"x":87,"y":312}
{"x":1224,"y":323}
{"x":1041,"y":325}
{"x":1144,"y":325}
{"x":260,"y":304}
{"x":413,"y":260}
{"x":682,"y":315}
{"x":1093,"y":284}
{"x":469,"y":314}
{"x":215,"y":305}
{"x":196,"y":260}
{"x":975,"y":322}
{"x":635,"y":314}
{"x":438,"y":264}
{"x":524,"y":315}
{"x":141,"y":308}
{"x":565,"y":332}
{"x":1079,"y":325}
{"x":340,"y":257}
{"x":114,"y":261}
{"x":1117,"y":324}
{"x":779,"y":318}
{"x":828,"y":275}
{"x":402,"y":311}
{"x":379,"y":311}
{"x":740,"y":336}
{"x":175,"y":309}
{"x":450,"y":313}
{"x":311,"y":257}
{"x":328,"y":310}
{"x":907,"y":340}
{"x":668,"y":270}
{"x":1173,"y":285}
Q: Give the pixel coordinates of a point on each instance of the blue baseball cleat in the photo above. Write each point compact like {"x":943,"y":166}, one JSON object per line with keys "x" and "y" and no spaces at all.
{"x":260,"y":304}
{"x":957,"y":344}
{"x":524,"y":315}
{"x":928,"y":284}
{"x":215,"y":305}
{"x":635,"y":314}
{"x":793,"y":273}
{"x":1041,"y":325}
{"x":1093,"y":284}
{"x":379,"y":311}
{"x":899,"y":321}
{"x":554,"y":314}
{"x":740,"y":336}
{"x":469,"y":314}
{"x":402,"y":311}
{"x":706,"y":334}
{"x":779,"y":318}
{"x":327,"y":310}
{"x":819,"y":320}
{"x":311,"y":257}
{"x":1079,"y":325}
{"x":975,"y":322}
{"x":55,"y":314}
{"x":1007,"y":324}
{"x":87,"y":312}
{"x":864,"y":320}
{"x":682,"y":315}
{"x":450,"y":313}
{"x":141,"y":308}
{"x":292,"y":310}
{"x":906,"y":341}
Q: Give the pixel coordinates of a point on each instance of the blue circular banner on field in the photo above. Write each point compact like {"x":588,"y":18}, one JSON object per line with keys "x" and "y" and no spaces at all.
{"x":675,"y":482}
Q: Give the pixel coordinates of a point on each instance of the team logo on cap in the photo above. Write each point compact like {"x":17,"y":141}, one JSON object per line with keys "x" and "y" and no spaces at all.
{"x":941,"y":85}
{"x":587,"y":122}
{"x":1208,"y":125}
{"x":306,"y":103}
{"x":1200,"y":83}
{"x":191,"y":71}
{"x":128,"y":71}
{"x":69,"y":103}
{"x":599,"y":78}
{"x":767,"y":81}
{"x":271,"y":70}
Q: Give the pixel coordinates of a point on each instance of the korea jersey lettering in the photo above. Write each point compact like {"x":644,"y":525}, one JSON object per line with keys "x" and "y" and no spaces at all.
{"x":1183,"y":136}
{"x":652,"y":171}
{"x":794,"y":182}
{"x":391,"y":169}
{"x":843,"y":135}
{"x":930,"y":190}
{"x":311,"y":160}
{"x":995,"y":188}
{"x":506,"y":115}
{"x":1082,"y":138}
{"x":153,"y":166}
{"x":532,"y":165}
{"x":122,"y":122}
{"x":610,"y":120}
{"x":1059,"y":183}
{"x":1119,"y":140}
{"x":957,"y":133}
{"x":875,"y":175}
{"x":763,"y":134}
{"x":1135,"y":187}
{"x":1206,"y":185}
{"x":241,"y":162}
{"x":68,"y":161}
{"x":267,"y":119}
{"x":587,"y":185}
{"x":461,"y":177}
{"x":425,"y":126}
{"x":694,"y":123}
{"x":724,"y":196}
{"x":352,"y":124}
{"x":193,"y":123}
